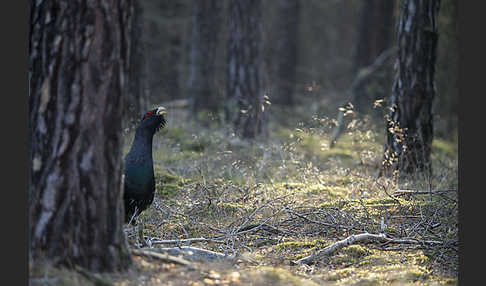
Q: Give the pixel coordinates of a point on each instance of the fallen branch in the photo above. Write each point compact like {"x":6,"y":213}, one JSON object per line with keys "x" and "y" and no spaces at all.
{"x":263,"y":226}
{"x":163,"y":257}
{"x":185,"y":241}
{"x":250,"y":217}
{"x":362,"y":237}
{"x":195,"y":254}
{"x":398,"y":193}
{"x":96,"y":278}
{"x":336,"y":226}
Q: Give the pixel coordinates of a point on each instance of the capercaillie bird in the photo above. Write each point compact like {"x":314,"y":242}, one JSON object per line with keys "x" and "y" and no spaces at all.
{"x":139,"y":180}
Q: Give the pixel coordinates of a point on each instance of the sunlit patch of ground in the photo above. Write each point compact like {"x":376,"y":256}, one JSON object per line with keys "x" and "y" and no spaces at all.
{"x":274,"y":201}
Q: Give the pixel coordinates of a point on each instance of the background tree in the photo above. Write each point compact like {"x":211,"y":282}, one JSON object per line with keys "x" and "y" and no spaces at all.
{"x":328,"y":36}
{"x":167,"y":41}
{"x":78,"y":62}
{"x":284,"y":52}
{"x":138,"y":90}
{"x":375,"y":32}
{"x":447,"y":109}
{"x":409,"y":122}
{"x":244,"y":89}
{"x":202,"y":88}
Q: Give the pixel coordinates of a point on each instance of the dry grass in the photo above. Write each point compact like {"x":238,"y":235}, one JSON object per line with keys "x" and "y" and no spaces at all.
{"x":276,"y":200}
{"x":279,"y":199}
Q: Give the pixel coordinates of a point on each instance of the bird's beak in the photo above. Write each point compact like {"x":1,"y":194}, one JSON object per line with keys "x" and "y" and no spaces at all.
{"x":161,"y":110}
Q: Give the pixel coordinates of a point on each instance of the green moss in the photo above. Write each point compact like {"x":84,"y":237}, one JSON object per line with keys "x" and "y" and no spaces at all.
{"x":172,"y":133}
{"x":339,"y":153}
{"x":339,"y":274}
{"x":333,"y":204}
{"x":184,"y":140}
{"x":170,"y":157}
{"x":167,"y":178}
{"x":356,"y":251}
{"x":274,"y":276}
{"x":349,"y":255}
{"x":421,"y":259}
{"x":295,"y":245}
{"x":166,"y":184}
{"x":332,"y":192}
{"x":382,"y":201}
{"x":450,"y":281}
{"x":443,"y":147}
{"x":298,"y":168}
{"x":415,"y":274}
{"x":390,"y":229}
{"x":234,"y":207}
{"x":376,"y":259}
{"x":301,"y":255}
{"x":323,"y":191}
{"x":194,"y":145}
{"x":337,"y":180}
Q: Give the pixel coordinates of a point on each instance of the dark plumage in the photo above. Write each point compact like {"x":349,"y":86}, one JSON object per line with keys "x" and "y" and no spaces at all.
{"x":139,"y":182}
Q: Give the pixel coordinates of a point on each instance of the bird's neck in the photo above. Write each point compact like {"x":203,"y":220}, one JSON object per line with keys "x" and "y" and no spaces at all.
{"x":143,"y":143}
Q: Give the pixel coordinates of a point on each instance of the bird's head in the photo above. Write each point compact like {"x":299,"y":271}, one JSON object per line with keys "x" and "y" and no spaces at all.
{"x":154,"y":119}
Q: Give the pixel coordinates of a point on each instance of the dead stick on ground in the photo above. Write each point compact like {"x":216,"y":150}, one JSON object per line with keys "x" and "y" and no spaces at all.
{"x":162,"y":257}
{"x":95,"y":277}
{"x":399,"y":192}
{"x":186,"y":241}
{"x":362,"y":237}
{"x":193,"y":253}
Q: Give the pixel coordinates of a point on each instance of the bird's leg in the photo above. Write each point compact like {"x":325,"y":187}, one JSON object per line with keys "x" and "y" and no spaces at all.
{"x":134,"y":215}
{"x":140,"y":226}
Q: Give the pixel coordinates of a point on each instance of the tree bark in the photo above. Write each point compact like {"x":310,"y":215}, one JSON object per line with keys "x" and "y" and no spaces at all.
{"x":166,"y":42}
{"x":374,"y":37}
{"x":285,"y":52}
{"x":245,"y":68}
{"x":375,"y":31}
{"x":203,"y":70}
{"x":78,"y":63}
{"x":138,"y":92}
{"x":409,"y":122}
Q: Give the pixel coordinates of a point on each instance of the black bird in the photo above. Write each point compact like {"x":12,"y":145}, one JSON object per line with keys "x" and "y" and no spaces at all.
{"x":139,"y":182}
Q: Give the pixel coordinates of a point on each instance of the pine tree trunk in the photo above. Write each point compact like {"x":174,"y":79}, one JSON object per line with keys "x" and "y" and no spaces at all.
{"x":203,"y":71}
{"x":285,"y":52}
{"x":138,"y":93}
{"x":410,"y":125}
{"x":245,"y":68}
{"x":165,"y":39}
{"x":78,"y":65}
{"x":375,"y":31}
{"x":375,"y":34}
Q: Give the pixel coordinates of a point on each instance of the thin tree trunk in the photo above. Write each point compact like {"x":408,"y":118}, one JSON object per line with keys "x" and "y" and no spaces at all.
{"x":165,"y":39}
{"x":375,"y":31}
{"x":374,"y":37}
{"x":137,"y":97}
{"x":285,"y":52}
{"x":410,"y":124}
{"x":203,"y":71}
{"x":78,"y":64}
{"x":245,"y":68}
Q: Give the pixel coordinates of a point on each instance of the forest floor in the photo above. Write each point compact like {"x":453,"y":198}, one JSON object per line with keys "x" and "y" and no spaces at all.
{"x":268,"y":203}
